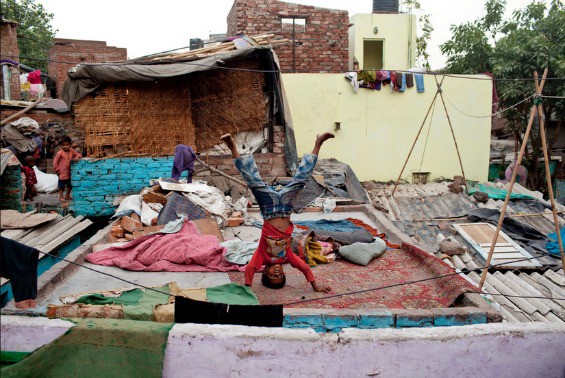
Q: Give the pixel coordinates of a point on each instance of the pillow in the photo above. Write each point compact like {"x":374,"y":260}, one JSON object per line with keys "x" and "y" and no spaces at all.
{"x":363,"y":253}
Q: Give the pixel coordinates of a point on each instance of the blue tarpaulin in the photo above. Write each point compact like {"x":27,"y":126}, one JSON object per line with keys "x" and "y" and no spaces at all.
{"x":552,"y":246}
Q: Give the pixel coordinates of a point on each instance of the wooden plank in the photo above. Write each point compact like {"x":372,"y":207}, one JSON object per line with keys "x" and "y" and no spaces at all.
{"x":209,"y":226}
{"x":38,"y":230}
{"x":60,"y":227}
{"x":14,"y":234}
{"x":501,"y":249}
{"x":481,"y":233}
{"x":498,"y":244}
{"x":61,"y":239}
{"x":47,"y":230}
{"x":505,"y":251}
{"x":507,"y":256}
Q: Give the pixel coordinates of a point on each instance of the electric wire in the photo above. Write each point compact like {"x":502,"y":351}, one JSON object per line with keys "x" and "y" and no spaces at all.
{"x":283,"y":71}
{"x":325,"y":297}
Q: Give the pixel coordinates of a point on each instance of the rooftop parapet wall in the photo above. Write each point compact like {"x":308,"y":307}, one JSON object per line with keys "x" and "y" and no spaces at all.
{"x":204,"y":350}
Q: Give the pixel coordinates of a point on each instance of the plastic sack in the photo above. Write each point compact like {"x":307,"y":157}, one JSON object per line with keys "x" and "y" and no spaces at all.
{"x":130,"y":204}
{"x":46,"y":182}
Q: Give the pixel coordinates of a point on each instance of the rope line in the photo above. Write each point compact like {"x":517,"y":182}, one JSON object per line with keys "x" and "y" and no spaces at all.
{"x":326,"y":297}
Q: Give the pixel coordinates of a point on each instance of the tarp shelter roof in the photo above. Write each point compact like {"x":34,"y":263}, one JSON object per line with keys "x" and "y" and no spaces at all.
{"x":87,"y":77}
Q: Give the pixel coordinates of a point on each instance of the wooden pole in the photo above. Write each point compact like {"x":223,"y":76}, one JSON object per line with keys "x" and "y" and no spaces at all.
{"x":220,"y":172}
{"x":452,"y":134}
{"x":23,"y":111}
{"x":512,"y":181}
{"x":415,"y":140}
{"x":548,"y":174}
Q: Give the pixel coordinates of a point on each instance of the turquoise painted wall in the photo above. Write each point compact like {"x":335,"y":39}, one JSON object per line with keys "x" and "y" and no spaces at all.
{"x":97,"y":183}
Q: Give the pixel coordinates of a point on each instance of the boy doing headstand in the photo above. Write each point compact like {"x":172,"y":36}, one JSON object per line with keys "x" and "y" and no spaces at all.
{"x":276,"y":207}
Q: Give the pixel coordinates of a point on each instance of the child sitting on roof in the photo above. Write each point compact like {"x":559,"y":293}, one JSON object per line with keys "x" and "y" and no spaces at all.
{"x":276,"y":207}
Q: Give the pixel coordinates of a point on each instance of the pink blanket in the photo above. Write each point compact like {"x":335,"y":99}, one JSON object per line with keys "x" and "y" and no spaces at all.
{"x":184,"y":251}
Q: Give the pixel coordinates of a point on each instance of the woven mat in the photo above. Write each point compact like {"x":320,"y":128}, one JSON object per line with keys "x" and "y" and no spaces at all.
{"x":393,"y":267}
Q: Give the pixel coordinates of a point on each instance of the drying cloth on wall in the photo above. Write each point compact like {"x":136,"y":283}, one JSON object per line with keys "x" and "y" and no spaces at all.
{"x":138,"y":304}
{"x":409,"y":80}
{"x":145,"y":304}
{"x":419,"y":78}
{"x":393,"y":267}
{"x":99,"y":348}
{"x":183,"y":161}
{"x":178,"y":205}
{"x":191,"y":311}
{"x":18,"y":262}
{"x":184,"y":251}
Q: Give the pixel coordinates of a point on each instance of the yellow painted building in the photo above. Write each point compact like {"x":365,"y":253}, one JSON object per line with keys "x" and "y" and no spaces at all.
{"x":378,"y":128}
{"x":375,"y":130}
{"x":382,"y":41}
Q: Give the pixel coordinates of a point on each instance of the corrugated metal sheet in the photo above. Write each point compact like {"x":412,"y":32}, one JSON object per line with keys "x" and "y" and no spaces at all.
{"x":426,"y":211}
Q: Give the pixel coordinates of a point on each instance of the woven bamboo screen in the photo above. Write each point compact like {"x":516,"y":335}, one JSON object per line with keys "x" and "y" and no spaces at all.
{"x":136,"y":119}
{"x":140,"y":119}
{"x":228,"y":100}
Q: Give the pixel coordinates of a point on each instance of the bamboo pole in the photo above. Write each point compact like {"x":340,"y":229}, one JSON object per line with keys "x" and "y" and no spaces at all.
{"x":453,"y":135}
{"x":220,"y":172}
{"x":548,"y":174}
{"x":415,"y":140}
{"x":512,"y":181}
{"x":23,"y":111}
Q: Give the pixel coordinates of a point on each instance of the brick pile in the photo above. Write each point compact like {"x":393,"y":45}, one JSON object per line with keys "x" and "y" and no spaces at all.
{"x":11,"y":195}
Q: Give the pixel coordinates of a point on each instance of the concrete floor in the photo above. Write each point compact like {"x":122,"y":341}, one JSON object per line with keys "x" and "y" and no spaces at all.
{"x":85,"y":280}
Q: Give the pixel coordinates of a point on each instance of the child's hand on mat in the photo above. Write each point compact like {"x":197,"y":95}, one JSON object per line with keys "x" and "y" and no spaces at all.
{"x":321,"y":288}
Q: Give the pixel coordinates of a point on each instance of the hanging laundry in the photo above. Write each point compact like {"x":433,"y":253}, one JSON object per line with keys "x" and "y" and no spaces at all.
{"x":419,"y":82}
{"x":402,"y":86}
{"x":393,"y":86}
{"x":409,"y":80}
{"x":34,"y":77}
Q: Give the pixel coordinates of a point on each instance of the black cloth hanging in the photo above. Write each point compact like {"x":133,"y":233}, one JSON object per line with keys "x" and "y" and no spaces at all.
{"x":191,"y":311}
{"x":18,"y":262}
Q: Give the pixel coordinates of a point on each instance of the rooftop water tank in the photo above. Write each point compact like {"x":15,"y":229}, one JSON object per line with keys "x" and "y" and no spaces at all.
{"x":385,"y":6}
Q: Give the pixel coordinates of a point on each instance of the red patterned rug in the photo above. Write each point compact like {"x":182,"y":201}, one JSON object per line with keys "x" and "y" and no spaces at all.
{"x":394,"y":267}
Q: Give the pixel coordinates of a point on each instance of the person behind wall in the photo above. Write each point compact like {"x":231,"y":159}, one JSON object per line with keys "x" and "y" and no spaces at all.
{"x":276,"y":207}
{"x":183,"y":161}
{"x":62,"y":165}
{"x":31,"y":179}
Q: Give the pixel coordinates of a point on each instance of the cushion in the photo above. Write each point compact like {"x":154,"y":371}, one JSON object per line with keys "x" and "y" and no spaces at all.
{"x":363,"y":253}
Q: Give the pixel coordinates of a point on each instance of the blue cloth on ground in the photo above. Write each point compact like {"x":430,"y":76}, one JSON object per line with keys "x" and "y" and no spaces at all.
{"x":552,"y":246}
{"x":341,"y":225}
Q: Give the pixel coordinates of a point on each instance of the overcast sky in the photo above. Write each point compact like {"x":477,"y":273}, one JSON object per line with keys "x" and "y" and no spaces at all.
{"x":151,"y":26}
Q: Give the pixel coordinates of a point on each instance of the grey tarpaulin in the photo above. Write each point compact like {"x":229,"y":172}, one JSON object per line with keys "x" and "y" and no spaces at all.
{"x":88,"y":77}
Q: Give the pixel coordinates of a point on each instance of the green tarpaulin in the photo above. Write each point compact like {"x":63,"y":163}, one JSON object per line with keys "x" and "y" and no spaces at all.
{"x":99,"y":348}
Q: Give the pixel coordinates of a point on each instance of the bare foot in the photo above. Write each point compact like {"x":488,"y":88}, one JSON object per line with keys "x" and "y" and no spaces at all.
{"x":321,"y":138}
{"x":69,"y":198}
{"x":61,"y":199}
{"x":228,"y":140}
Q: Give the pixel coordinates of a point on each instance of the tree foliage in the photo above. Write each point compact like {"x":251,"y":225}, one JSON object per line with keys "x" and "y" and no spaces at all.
{"x":512,"y":49}
{"x":424,"y":32}
{"x":35,"y":34}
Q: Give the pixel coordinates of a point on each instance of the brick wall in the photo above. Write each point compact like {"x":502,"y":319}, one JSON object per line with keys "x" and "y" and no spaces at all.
{"x":9,"y":50}
{"x":11,"y":196}
{"x":322,"y":47}
{"x":97,"y":183}
{"x":66,"y":53}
